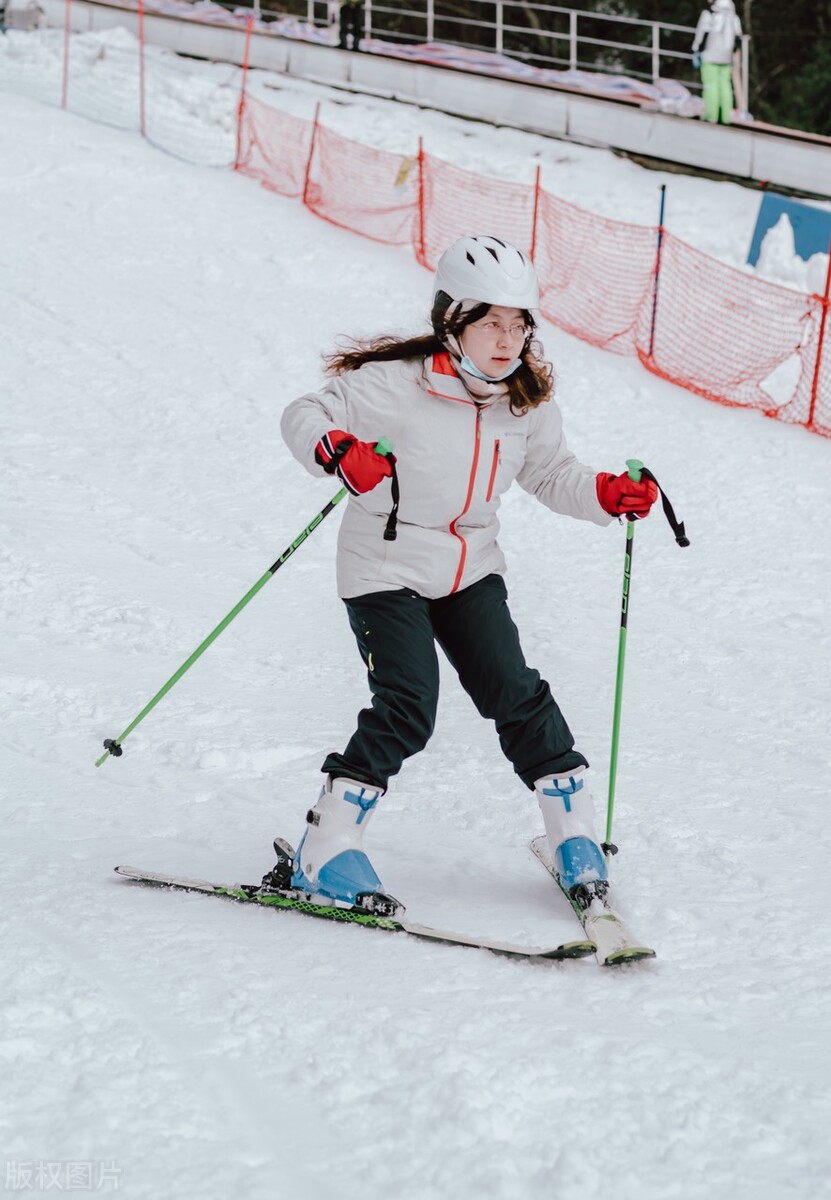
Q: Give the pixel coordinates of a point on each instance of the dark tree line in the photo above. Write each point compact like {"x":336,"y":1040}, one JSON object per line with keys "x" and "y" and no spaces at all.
{"x":790,"y":53}
{"x":790,"y":50}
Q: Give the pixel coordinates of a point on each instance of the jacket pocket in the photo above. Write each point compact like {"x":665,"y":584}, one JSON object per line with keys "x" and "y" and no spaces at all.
{"x":494,"y":465}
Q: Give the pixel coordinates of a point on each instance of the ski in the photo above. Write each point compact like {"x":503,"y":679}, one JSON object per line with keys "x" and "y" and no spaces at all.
{"x":249,"y":893}
{"x":615,"y":944}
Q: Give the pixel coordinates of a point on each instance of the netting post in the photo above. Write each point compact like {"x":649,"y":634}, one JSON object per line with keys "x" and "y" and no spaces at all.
{"x":241,"y":109}
{"x":141,"y":66}
{"x":308,"y":175}
{"x":657,"y":271}
{"x":67,"y":28}
{"x":822,"y":323}
{"x":421,"y":252}
{"x":533,"y":249}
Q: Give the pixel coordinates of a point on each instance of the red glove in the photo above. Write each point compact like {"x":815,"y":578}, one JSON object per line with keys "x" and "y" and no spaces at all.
{"x":618,"y":495}
{"x":357,"y":464}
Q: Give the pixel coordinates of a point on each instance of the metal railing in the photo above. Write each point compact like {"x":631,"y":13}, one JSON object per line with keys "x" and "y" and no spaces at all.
{"x":542,"y":35}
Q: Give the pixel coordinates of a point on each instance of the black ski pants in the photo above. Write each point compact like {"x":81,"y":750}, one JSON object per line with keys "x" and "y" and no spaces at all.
{"x":397,"y":632}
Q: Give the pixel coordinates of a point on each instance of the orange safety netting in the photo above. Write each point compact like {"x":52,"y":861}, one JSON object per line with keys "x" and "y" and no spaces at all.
{"x":373,"y":192}
{"x":597,"y":276}
{"x":691,"y":319}
{"x":710,"y":328}
{"x":819,"y":413}
{"x":274,"y":147}
{"x":732,"y":337}
{"x":455,"y":202}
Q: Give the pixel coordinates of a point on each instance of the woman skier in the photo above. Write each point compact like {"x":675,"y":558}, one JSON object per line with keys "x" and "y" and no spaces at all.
{"x":468,"y":409}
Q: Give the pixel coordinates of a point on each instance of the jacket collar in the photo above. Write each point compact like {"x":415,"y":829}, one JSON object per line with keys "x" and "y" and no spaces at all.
{"x":444,"y":376}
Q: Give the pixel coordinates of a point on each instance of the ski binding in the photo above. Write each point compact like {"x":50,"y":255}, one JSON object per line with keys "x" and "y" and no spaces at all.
{"x":593,"y":908}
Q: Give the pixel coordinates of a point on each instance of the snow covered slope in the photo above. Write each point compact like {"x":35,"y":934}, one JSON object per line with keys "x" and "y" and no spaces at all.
{"x":156,"y":318}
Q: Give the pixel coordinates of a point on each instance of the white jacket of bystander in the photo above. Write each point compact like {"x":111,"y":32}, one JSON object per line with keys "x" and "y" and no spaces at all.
{"x":718,"y":27}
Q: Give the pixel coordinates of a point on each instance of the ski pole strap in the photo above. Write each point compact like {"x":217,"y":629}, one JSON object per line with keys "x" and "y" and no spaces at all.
{"x":390,"y":531}
{"x":384,"y":447}
{"x":675,"y":525}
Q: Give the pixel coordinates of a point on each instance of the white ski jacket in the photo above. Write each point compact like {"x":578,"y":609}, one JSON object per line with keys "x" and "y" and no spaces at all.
{"x":457,"y":454}
{"x":720,"y":26}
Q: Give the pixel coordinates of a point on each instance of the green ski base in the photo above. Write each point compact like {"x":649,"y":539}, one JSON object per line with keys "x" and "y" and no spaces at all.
{"x":247,"y":893}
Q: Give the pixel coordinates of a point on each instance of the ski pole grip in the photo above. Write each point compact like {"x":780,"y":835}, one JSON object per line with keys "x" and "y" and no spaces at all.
{"x":383,"y":447}
{"x":635,"y":467}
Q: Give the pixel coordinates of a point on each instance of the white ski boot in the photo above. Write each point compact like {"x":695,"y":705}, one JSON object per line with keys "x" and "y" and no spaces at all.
{"x":330,"y":862}
{"x":568,"y":812}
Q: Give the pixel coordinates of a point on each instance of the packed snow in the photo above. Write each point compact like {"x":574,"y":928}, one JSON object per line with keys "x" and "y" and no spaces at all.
{"x":157,"y":316}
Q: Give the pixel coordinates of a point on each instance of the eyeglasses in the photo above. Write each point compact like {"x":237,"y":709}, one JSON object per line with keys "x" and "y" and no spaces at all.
{"x":515,"y":331}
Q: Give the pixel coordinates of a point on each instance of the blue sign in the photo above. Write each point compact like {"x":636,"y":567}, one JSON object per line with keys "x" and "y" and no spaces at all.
{"x":811,"y":226}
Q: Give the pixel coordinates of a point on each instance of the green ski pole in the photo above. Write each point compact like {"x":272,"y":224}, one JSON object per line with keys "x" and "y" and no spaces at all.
{"x":635,"y":468}
{"x":637,"y":471}
{"x":112,"y":746}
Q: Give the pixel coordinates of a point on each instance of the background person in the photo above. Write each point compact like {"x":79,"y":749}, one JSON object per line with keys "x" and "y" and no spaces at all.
{"x":718,"y":28}
{"x":351,"y":20}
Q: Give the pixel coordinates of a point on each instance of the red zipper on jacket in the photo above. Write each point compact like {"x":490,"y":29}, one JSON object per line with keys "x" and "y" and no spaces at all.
{"x":494,"y":465}
{"x":468,"y":498}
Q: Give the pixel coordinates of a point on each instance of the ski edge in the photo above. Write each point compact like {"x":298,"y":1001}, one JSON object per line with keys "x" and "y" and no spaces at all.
{"x":613,"y":951}
{"x":581,"y":948}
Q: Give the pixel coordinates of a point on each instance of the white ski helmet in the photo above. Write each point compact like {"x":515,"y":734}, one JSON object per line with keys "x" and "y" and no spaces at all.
{"x":478,"y":267}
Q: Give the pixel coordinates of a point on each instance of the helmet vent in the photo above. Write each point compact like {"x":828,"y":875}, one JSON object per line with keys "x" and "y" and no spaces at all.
{"x":486,"y":269}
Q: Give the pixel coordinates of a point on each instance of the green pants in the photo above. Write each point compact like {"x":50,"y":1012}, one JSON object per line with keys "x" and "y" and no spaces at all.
{"x":717,"y":79}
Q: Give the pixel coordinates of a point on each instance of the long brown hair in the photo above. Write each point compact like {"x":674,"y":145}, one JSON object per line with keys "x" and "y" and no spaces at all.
{"x":531,"y":384}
